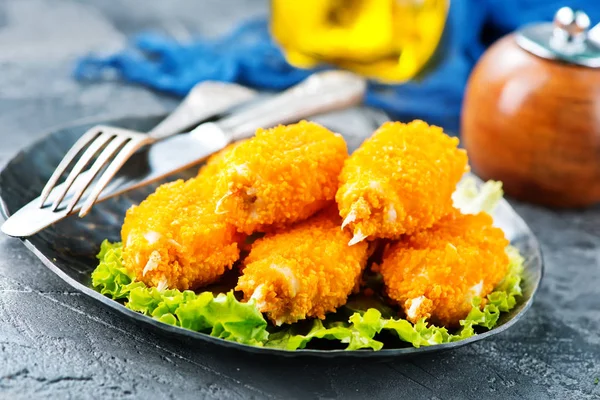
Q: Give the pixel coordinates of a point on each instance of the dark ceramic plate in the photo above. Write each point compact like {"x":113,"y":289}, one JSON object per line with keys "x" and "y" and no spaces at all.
{"x":69,"y":247}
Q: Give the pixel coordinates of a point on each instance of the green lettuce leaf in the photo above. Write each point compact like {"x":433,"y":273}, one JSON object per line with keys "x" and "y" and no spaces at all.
{"x":470,"y":199}
{"x":228,"y":318}
{"x":357,"y":335}
{"x":287,"y":339}
{"x":111,"y":278}
{"x":486,"y":317}
{"x":222,"y":316}
{"x":510,"y":286}
{"x":418,"y":334}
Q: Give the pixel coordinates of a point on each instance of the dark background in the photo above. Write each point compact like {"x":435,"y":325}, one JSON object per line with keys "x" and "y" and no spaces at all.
{"x":55,"y":343}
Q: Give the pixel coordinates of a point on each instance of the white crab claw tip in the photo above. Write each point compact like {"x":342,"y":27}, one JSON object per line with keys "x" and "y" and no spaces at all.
{"x":162,"y":284}
{"x":351,"y":217}
{"x":220,"y":203}
{"x":357,"y":238}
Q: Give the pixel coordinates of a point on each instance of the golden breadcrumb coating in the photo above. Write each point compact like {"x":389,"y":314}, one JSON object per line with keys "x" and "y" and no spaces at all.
{"x":305,"y":271}
{"x":437,"y":272}
{"x":215,"y":164}
{"x":174,"y":239}
{"x":280,"y":176}
{"x":399,"y":181}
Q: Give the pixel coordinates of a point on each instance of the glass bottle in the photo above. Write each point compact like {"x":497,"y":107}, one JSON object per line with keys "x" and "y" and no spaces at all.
{"x":388,"y":40}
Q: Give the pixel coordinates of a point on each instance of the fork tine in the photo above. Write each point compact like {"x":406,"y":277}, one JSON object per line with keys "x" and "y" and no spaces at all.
{"x":100,"y":162}
{"x":121,"y":158}
{"x":83,"y":141}
{"x":89,"y":153}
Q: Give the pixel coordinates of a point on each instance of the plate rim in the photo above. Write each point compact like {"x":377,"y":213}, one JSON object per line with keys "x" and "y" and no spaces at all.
{"x":116,"y":306}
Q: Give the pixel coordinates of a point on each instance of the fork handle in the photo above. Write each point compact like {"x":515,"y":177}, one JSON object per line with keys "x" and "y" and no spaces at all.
{"x":320,"y":93}
{"x":205,"y":100}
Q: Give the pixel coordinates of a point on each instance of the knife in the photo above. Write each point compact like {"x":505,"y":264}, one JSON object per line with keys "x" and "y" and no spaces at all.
{"x":320,"y":93}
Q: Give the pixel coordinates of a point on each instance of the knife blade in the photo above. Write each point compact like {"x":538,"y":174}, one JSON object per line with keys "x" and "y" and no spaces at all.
{"x":320,"y":93}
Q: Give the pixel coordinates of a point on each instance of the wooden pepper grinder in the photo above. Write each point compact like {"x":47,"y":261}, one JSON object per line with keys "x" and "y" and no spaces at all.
{"x":531,"y":115}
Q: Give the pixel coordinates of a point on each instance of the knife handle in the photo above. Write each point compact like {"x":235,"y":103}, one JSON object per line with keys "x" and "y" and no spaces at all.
{"x":320,"y":93}
{"x":205,"y":100}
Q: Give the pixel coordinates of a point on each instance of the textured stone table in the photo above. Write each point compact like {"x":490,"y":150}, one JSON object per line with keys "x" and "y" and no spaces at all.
{"x":56,"y":343}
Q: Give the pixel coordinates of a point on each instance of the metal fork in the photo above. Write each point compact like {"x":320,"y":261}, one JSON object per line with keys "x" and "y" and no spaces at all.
{"x":114,"y":146}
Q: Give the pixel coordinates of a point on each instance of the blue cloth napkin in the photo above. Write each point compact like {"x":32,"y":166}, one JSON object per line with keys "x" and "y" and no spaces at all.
{"x":249,"y":56}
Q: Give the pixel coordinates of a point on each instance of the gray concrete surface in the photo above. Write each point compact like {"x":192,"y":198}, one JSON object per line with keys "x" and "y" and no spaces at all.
{"x":56,"y":343}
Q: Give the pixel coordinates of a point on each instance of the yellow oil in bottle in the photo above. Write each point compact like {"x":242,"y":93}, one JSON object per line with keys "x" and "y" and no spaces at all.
{"x":388,"y":40}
